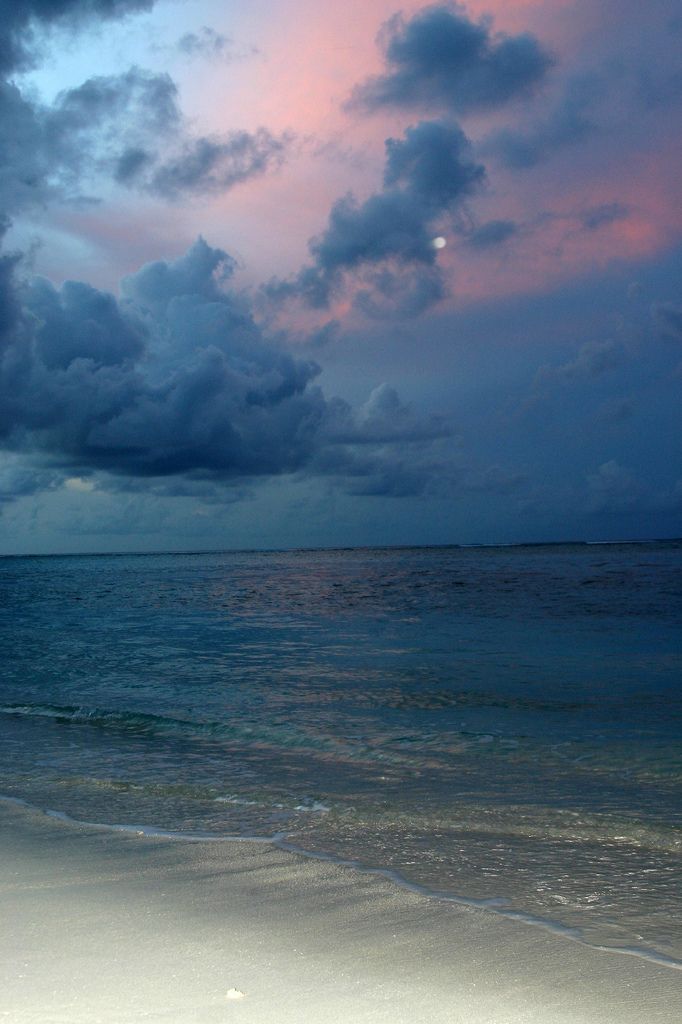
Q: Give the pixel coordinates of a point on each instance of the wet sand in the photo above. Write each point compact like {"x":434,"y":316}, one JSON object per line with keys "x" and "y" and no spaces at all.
{"x":99,"y":926}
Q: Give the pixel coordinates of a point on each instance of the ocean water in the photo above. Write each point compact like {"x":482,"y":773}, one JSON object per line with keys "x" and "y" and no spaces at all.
{"x":492,"y":724}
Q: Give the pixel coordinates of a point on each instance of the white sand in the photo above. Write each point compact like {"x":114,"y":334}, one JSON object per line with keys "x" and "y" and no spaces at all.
{"x":100,"y":926}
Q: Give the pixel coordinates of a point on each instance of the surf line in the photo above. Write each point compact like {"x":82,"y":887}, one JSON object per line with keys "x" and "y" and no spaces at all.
{"x":495,"y":905}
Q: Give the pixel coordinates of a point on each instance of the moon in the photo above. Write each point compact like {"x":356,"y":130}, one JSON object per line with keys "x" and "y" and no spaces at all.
{"x":439,"y":242}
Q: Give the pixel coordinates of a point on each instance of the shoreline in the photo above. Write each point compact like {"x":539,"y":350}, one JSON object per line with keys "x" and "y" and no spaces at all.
{"x":494,"y":905}
{"x":107,"y":925}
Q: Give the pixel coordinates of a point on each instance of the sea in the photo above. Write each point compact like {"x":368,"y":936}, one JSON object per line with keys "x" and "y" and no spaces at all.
{"x":498,"y":726}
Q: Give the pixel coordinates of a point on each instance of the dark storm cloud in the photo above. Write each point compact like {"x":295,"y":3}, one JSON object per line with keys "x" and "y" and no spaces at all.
{"x":427,"y":173}
{"x":22,"y":20}
{"x":177,"y":379}
{"x":198,"y":273}
{"x":441,"y":58}
{"x":80,"y":322}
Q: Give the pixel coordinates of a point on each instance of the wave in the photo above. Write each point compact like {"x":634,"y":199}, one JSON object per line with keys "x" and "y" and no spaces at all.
{"x":133,"y":721}
{"x":239,"y":730}
{"x":142,"y":723}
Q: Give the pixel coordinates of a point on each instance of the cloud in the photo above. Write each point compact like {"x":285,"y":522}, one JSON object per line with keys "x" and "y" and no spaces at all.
{"x":570,"y":123}
{"x":384,"y":449}
{"x":668,"y":319}
{"x":80,"y":322}
{"x":18,"y":480}
{"x":492,"y":233}
{"x":603,"y":215}
{"x":383,"y":419}
{"x":441,"y":58}
{"x":52,"y":149}
{"x":594,"y":358}
{"x":323,"y":336}
{"x":385,"y":474}
{"x":427,"y":173}
{"x":147,"y":100}
{"x":22,"y":21}
{"x":495,"y":480}
{"x":395,"y":294}
{"x":176,"y":379}
{"x":10,"y":307}
{"x":614,"y":488}
{"x":399,"y":480}
{"x":204,"y":43}
{"x":387,"y":225}
{"x":125,"y":127}
{"x":207,"y":165}
{"x":432,"y":163}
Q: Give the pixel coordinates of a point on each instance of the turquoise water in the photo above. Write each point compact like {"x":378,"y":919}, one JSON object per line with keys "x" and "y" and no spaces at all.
{"x":500,"y":724}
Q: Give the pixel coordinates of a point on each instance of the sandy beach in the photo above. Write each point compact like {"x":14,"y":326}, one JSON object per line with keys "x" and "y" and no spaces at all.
{"x":104,"y":926}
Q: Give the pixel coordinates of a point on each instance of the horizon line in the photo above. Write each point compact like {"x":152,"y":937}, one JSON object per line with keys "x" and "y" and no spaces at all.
{"x":343,"y":547}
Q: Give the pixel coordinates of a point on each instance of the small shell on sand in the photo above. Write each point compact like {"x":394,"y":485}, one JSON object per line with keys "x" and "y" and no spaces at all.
{"x":235,"y":993}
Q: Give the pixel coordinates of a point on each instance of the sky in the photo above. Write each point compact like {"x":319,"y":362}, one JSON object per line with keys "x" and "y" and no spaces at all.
{"x":288,"y":274}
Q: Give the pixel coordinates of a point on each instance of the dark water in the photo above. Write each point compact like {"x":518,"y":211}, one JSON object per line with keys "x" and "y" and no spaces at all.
{"x":500,"y":723}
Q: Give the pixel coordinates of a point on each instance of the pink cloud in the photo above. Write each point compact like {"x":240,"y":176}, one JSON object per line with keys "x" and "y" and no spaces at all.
{"x":311,"y":57}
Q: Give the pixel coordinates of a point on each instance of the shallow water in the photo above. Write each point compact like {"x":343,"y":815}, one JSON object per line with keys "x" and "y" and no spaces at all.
{"x":495,"y":723}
